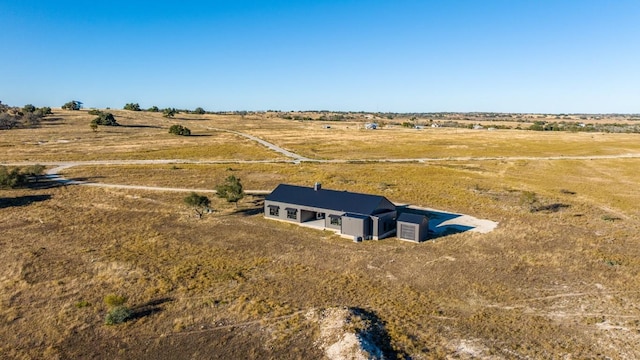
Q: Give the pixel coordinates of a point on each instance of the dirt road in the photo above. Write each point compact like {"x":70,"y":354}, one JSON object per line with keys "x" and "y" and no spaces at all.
{"x":478,"y":225}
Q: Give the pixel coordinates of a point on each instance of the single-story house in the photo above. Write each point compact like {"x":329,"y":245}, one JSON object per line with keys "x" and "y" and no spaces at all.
{"x":413,"y":227}
{"x":352,"y":215}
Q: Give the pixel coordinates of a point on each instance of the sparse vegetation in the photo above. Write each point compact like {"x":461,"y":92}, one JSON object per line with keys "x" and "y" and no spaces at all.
{"x":113,"y":300}
{"x":199,"y":111}
{"x":82,"y":304}
{"x":542,"y":285}
{"x":610,"y":218}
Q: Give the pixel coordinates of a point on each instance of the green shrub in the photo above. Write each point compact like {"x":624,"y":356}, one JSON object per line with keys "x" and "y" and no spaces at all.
{"x":106,"y":119}
{"x":12,"y":178}
{"x":82,"y":303}
{"x":179,"y":130}
{"x":117,"y":315}
{"x":115,"y":300}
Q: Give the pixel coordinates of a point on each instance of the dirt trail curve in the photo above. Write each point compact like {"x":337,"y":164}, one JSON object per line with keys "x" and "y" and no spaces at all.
{"x":59,"y":166}
{"x":271,"y":146}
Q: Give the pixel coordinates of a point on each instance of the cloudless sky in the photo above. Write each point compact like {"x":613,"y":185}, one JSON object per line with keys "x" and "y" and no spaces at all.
{"x":560,"y":56}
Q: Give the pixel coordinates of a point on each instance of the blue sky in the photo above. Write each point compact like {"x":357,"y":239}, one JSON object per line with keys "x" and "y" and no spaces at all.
{"x":350,"y":55}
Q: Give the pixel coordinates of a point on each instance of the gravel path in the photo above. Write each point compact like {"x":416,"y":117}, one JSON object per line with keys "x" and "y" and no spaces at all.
{"x":269,"y":145}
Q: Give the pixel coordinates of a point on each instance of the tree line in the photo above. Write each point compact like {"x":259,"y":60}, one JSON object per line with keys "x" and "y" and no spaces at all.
{"x":26,"y":117}
{"x":167,"y":112}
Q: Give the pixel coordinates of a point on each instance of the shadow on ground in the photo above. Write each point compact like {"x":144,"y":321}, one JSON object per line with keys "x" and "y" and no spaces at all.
{"x":256,"y":206}
{"x":22,"y":200}
{"x":149,"y":308}
{"x":376,"y":334}
{"x":54,"y":181}
{"x":142,"y":126}
{"x":440,"y":223}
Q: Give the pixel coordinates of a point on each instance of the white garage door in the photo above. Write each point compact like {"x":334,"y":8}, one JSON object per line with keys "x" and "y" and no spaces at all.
{"x":407,"y":232}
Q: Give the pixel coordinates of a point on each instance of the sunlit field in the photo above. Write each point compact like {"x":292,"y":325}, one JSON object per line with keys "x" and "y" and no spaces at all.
{"x":558,"y":277}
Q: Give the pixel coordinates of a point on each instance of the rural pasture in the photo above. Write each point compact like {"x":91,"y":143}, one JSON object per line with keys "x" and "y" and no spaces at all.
{"x":558,"y":278}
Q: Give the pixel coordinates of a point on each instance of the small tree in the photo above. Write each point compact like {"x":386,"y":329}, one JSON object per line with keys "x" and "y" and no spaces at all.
{"x":153,"y":109}
{"x":179,"y":130}
{"x":169,"y":112}
{"x":31,"y":119}
{"x":16,"y":177}
{"x":72,"y":105}
{"x":106,"y":119}
{"x":199,"y":203}
{"x":132,"y":107}
{"x":199,"y":111}
{"x":7,"y":121}
{"x":11,"y":178}
{"x":29,"y":108}
{"x":231,"y":190}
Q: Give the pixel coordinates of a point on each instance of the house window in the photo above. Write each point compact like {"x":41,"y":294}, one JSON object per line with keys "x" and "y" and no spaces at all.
{"x":292,"y":214}
{"x":336,"y":220}
{"x":274,"y":210}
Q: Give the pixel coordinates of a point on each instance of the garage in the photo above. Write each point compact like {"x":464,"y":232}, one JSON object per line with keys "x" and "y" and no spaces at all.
{"x":413,"y":227}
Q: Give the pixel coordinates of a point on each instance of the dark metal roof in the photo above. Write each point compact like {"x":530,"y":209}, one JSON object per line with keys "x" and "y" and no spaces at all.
{"x":411,"y":218}
{"x":330,"y":199}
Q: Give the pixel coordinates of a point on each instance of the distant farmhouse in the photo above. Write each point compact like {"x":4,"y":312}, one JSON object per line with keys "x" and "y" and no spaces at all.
{"x":352,"y":215}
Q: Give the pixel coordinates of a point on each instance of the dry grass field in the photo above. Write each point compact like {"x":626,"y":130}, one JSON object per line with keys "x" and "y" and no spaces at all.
{"x":561,"y":281}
